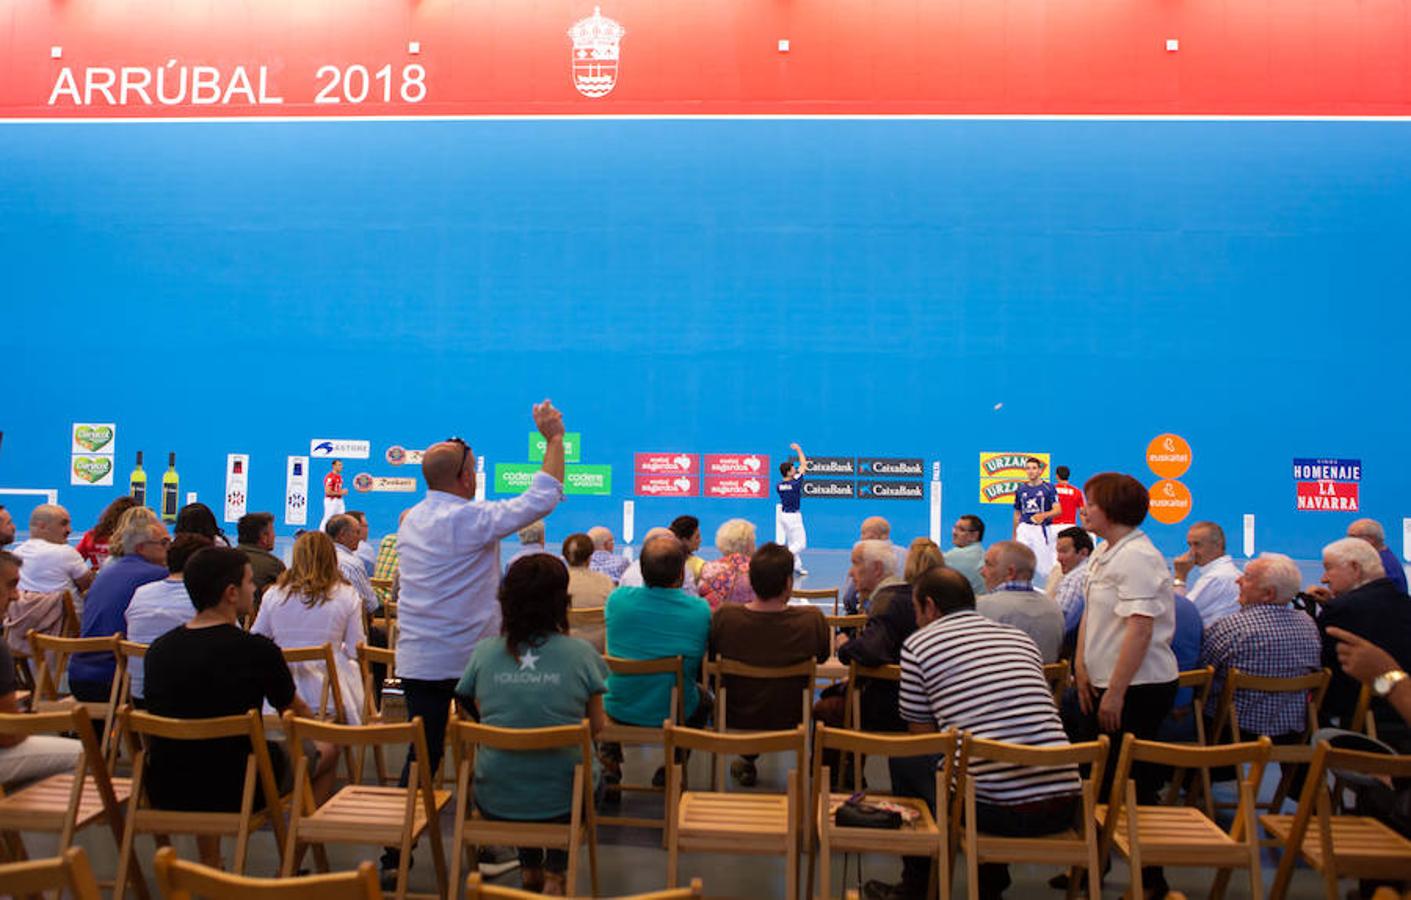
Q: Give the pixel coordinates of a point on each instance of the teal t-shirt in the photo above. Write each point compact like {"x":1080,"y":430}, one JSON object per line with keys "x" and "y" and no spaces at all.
{"x":650,"y":623}
{"x":548,"y":685}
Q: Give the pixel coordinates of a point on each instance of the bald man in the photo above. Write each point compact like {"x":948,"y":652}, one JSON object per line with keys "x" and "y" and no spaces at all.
{"x":448,"y":551}
{"x":1370,"y":530}
{"x":632,"y":575}
{"x":51,"y":567}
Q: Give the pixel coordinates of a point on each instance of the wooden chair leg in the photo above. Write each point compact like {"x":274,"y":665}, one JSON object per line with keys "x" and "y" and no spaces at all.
{"x":972,"y":848}
{"x":1134,"y":856}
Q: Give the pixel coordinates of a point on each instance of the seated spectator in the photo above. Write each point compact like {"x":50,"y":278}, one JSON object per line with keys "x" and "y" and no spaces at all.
{"x":1362,"y":601}
{"x":586,"y":589}
{"x":531,"y":541}
{"x":1008,"y":571}
{"x":968,"y":553}
{"x":604,"y":559}
{"x":1266,"y":637}
{"x":144,"y":560}
{"x":961,"y":670}
{"x":255,"y":532}
{"x":632,"y":575}
{"x":197,"y":518}
{"x":93,"y":547}
{"x":159,"y":606}
{"x":688,"y":530}
{"x":51,"y":567}
{"x":24,"y":759}
{"x":7,"y":527}
{"x":344,"y":530}
{"x":1373,"y":666}
{"x":311,"y":604}
{"x":873,"y":528}
{"x":1072,"y":549}
{"x":365,"y":551}
{"x":533,"y":676}
{"x":128,"y":521}
{"x":209,"y":668}
{"x":1370,"y":530}
{"x":651,"y":622}
{"x":924,"y":554}
{"x":388,"y":561}
{"x":767,"y":631}
{"x":1216,"y":592}
{"x":727,"y":580}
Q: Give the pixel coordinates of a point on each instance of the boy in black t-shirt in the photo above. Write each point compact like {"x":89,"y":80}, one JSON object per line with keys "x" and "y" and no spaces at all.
{"x":207,"y":668}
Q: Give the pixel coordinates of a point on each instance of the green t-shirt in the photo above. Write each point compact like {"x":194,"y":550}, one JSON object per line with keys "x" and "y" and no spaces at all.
{"x":549,"y":685}
{"x":651,"y":623}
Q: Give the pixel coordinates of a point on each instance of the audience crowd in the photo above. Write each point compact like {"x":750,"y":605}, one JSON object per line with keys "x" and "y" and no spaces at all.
{"x":971,"y":628}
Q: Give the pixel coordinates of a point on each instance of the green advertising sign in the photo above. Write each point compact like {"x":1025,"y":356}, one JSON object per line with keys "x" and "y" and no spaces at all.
{"x":514,"y":478}
{"x":591,"y":480}
{"x":572,"y":446}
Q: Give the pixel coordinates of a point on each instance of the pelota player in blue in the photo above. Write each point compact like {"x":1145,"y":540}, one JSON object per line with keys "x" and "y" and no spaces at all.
{"x":1035,"y":505}
{"x":790,"y":490}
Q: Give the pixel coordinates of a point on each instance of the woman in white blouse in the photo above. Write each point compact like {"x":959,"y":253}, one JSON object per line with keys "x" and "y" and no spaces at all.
{"x":313,"y":604}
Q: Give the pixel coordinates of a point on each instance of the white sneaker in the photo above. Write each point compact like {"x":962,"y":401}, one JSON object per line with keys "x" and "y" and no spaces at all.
{"x":801,"y":571}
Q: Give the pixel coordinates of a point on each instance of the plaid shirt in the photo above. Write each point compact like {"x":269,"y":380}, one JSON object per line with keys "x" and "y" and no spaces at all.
{"x":1070,"y":596}
{"x":610,"y":564}
{"x":1272,"y":641}
{"x":386,"y":567}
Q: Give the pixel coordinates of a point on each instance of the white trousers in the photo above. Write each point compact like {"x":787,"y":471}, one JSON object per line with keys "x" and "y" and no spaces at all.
{"x":332,"y":506}
{"x":795,"y":537}
{"x":38,"y":756}
{"x":1045,"y":546}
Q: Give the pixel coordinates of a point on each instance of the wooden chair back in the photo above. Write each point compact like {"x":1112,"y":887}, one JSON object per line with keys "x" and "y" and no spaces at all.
{"x":51,"y":653}
{"x":812,"y":594}
{"x":372,"y":709}
{"x":67,"y":874}
{"x":1059,"y":676}
{"x":1362,"y":718}
{"x":640,"y":736}
{"x":477,"y":889}
{"x":837,"y":623}
{"x":852,"y":697}
{"x":183,"y":880}
{"x":1340,"y":846}
{"x":1199,"y":682}
{"x":141,"y":728}
{"x":330,"y":706}
{"x":728,"y":669}
{"x":71,"y":625}
{"x":471,"y":830}
{"x":1084,"y":844}
{"x":587,"y":617}
{"x":1313,"y":687}
{"x":383,"y":588}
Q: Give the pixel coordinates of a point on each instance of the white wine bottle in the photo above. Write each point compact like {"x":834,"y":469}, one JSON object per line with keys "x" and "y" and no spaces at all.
{"x":137,"y":482}
{"x":169,"y":490}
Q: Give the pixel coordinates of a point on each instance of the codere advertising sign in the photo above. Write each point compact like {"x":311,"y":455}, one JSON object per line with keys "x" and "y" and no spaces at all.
{"x":1001,"y":473}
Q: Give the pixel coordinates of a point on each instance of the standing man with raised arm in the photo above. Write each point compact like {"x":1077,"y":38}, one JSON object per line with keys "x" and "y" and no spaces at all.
{"x":449,"y":549}
{"x":790,"y":491}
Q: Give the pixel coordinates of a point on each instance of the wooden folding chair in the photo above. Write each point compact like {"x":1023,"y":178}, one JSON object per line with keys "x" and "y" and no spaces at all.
{"x":1314,"y":686}
{"x":838,"y":623}
{"x":586,"y":617}
{"x":142,"y":818}
{"x":1363,"y":719}
{"x":68,"y":803}
{"x":52,"y":653}
{"x":330,"y":706}
{"x":737,"y":823}
{"x":726,"y":669}
{"x":183,"y":880}
{"x":1339,"y":846}
{"x":1184,"y":835}
{"x":473,"y":830}
{"x":372,"y":709}
{"x":1082,"y":843}
{"x":640,"y":736}
{"x":476,"y":889}
{"x":365,"y":814}
{"x":852,"y":705}
{"x":925,"y":835}
{"x":70,"y":625}
{"x":1199,"y":681}
{"x":1059,"y":676}
{"x":812,"y":594}
{"x":382,"y":587}
{"x":69,"y":872}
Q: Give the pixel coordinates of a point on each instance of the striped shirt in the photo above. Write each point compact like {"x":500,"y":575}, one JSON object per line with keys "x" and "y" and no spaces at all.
{"x":966,"y":672}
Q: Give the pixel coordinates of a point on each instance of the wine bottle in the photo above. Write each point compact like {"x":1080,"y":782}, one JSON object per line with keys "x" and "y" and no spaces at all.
{"x":169,"y":490}
{"x":137,"y":482}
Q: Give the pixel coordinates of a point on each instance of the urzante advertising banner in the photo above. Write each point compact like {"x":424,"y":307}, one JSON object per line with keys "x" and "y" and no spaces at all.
{"x":1327,"y":485}
{"x":1002,"y":472}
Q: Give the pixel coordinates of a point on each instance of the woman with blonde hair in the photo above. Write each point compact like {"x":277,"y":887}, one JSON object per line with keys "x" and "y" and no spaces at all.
{"x":727,"y":580}
{"x":131,"y":520}
{"x":921,"y":556}
{"x":312,"y":604}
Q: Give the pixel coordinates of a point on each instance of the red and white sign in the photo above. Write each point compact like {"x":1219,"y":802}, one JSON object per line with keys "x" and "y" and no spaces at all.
{"x":733,"y":487}
{"x":1328,"y":496}
{"x":666,"y":463}
{"x":737,"y":464}
{"x":668,"y":485}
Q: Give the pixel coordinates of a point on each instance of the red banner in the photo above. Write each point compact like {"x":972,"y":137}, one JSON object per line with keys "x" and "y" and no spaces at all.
{"x":1328,"y":496}
{"x":666,"y":463}
{"x":731,"y":487}
{"x":667,"y":486}
{"x":737,"y":464}
{"x":155,"y":58}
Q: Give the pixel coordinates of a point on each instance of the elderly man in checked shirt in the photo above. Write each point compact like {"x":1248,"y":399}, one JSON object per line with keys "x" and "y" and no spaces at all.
{"x":1268,"y":637}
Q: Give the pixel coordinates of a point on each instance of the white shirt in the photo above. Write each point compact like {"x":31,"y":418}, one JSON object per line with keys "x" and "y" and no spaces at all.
{"x":368,"y":554}
{"x":156,"y":608}
{"x":1125,"y":579}
{"x":450,"y":572}
{"x":351,"y":565}
{"x":632,"y":577}
{"x":49,"y":568}
{"x":1216,"y":593}
{"x":285,"y":619}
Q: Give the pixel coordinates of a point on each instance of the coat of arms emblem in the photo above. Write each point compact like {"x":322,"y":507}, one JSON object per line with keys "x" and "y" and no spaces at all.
{"x":596,"y":47}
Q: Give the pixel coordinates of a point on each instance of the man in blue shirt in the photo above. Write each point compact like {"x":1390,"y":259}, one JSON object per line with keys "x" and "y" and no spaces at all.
{"x":105,"y":607}
{"x":1370,"y":530}
{"x":1035,"y":505}
{"x":790,"y":491}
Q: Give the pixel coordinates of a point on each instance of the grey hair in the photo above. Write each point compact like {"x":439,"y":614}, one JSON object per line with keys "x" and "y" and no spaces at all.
{"x":1280,"y":573}
{"x":533,"y":533}
{"x":600,"y":535}
{"x":735,"y":536}
{"x":1369,"y":530}
{"x":1020,"y":556}
{"x":879,"y":552}
{"x":136,"y":533}
{"x":1214,"y":530}
{"x":1360,"y":553}
{"x":128,"y":521}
